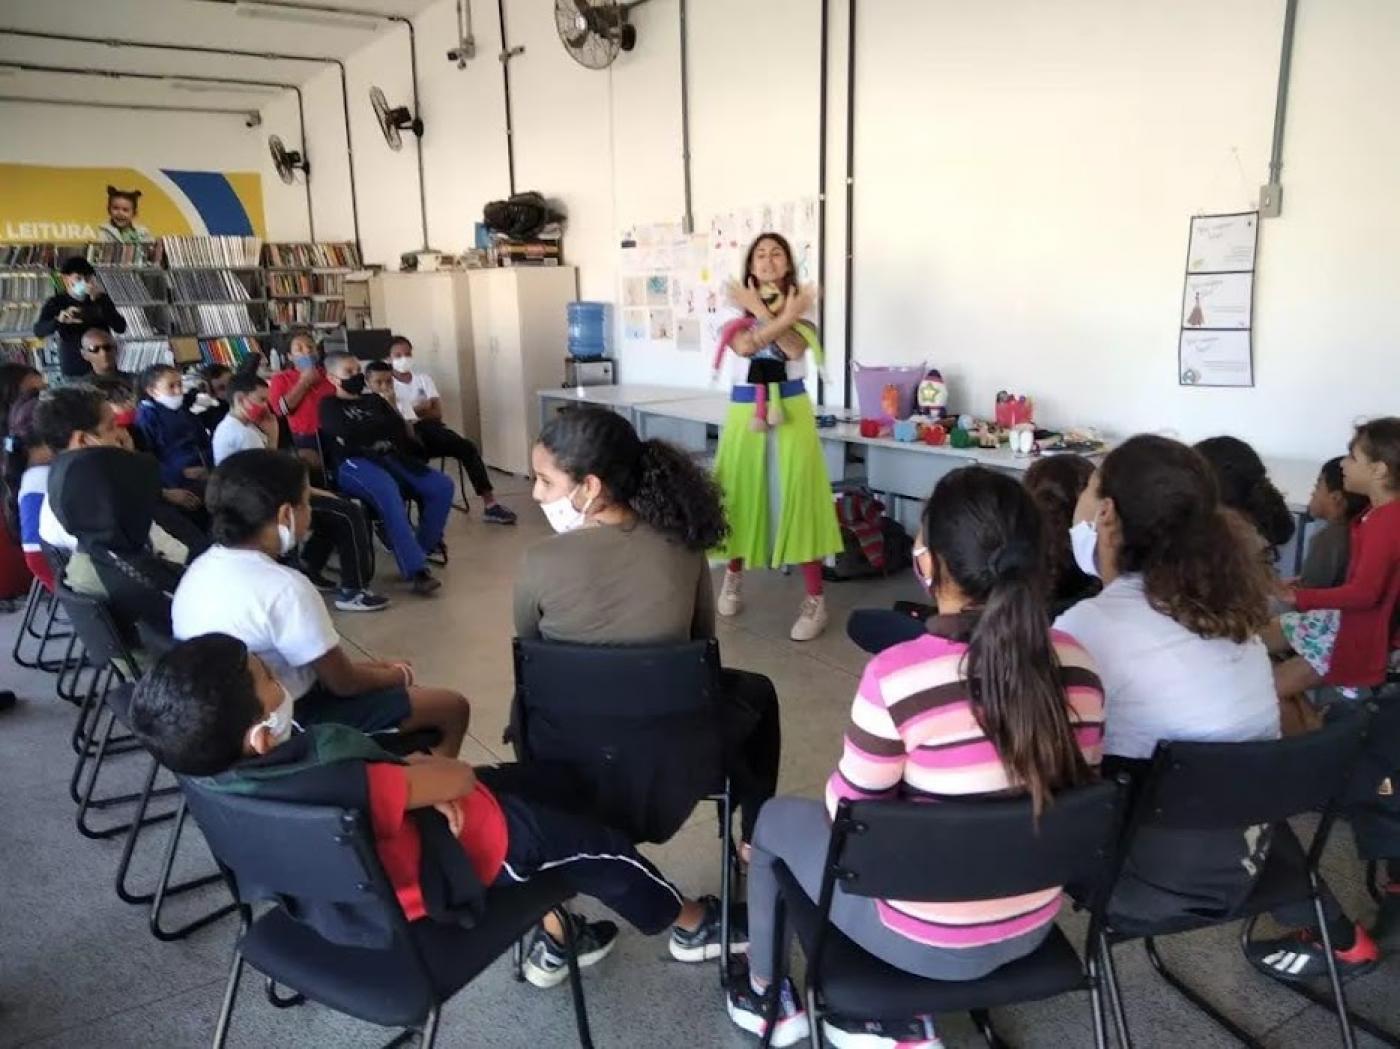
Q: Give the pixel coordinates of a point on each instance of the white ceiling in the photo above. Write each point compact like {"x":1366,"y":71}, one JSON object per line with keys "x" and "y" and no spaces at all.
{"x":210,"y":23}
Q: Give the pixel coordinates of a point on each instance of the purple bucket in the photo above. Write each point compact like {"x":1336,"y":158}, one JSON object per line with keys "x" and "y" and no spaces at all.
{"x":870,"y":389}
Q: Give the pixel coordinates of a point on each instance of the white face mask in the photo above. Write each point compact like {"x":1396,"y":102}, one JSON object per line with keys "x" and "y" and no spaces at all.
{"x":287,"y":540}
{"x":563,"y":516}
{"x":173,"y":401}
{"x":402,"y":365}
{"x":1084,"y":541}
{"x":279,"y":723}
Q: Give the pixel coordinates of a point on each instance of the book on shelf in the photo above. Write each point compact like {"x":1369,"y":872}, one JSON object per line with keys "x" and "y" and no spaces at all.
{"x":28,"y":256}
{"x":211,"y":252}
{"x":230,"y":350}
{"x":19,"y":317}
{"x":288,"y":312}
{"x":125,"y":255}
{"x":141,"y":322}
{"x":211,"y":285}
{"x":218,"y":318}
{"x":327,"y":255}
{"x":131,"y":287}
{"x":18,"y":350}
{"x":26,"y":287}
{"x":138,"y":354}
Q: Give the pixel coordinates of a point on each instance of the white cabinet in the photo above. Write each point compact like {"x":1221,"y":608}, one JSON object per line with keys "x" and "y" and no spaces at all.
{"x":434,"y":311}
{"x":520,"y":334}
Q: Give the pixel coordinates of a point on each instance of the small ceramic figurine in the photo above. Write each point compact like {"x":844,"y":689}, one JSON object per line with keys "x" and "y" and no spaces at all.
{"x":906,"y":430}
{"x":933,"y":395}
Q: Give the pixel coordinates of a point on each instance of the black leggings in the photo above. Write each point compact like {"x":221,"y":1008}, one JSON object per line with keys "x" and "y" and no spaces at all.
{"x":753,"y":742}
{"x":340,"y":524}
{"x":439,"y":440}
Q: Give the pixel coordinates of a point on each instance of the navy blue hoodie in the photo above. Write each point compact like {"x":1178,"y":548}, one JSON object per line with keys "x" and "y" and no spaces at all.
{"x":176,"y":438}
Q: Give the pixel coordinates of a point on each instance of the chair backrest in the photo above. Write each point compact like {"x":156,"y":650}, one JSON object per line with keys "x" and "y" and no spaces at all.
{"x":640,"y":723}
{"x":1222,"y":786}
{"x":316,"y":861}
{"x":96,"y":628}
{"x":953,"y":851}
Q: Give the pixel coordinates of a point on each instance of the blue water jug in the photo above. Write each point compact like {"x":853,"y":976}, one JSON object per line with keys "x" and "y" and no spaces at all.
{"x":588,"y":330}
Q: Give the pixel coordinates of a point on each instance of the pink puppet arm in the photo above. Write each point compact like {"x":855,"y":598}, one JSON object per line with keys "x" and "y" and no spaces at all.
{"x":729,"y":333}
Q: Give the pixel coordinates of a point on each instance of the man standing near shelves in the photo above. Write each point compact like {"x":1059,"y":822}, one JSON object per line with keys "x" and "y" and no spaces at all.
{"x":71,"y":312}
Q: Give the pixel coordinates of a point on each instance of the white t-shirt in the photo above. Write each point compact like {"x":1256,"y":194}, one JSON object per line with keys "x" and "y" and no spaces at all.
{"x":1161,"y":681}
{"x":272,"y":609}
{"x":234,"y":435}
{"x":53,"y":533}
{"x":420,"y":387}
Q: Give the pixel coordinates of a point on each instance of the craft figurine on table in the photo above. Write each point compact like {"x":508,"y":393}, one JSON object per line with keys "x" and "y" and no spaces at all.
{"x":1013,"y":410}
{"x":933,"y":395}
{"x":796,"y":523}
{"x":768,"y":366}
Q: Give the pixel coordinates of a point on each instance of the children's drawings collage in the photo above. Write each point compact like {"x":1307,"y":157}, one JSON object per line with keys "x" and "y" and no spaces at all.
{"x":673,"y":284}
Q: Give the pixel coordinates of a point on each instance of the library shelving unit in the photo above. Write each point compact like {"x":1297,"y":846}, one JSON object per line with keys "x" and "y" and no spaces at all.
{"x":134,"y":278}
{"x":306,"y":283}
{"x":218,"y":305}
{"x":26,"y":281}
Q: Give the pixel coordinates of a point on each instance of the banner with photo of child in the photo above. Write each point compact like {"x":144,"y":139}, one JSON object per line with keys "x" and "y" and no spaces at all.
{"x":672,"y":292}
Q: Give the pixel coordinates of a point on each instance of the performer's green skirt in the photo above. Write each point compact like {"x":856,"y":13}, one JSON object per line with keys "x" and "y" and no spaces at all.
{"x":800,"y":523}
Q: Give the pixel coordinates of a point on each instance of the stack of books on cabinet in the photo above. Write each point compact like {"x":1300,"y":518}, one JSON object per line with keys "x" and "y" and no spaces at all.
{"x":306,"y":283}
{"x":218,"y":305}
{"x":26,"y":280}
{"x":132,"y":275}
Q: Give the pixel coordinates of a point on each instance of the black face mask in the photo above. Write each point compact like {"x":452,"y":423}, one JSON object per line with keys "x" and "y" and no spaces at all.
{"x":355,"y":384}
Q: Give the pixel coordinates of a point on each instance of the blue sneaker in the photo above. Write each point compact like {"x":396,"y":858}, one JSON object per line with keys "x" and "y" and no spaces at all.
{"x":348,"y":600}
{"x":498,"y":514}
{"x":546,"y":964}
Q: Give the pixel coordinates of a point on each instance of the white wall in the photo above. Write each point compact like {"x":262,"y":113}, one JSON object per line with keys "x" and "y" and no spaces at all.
{"x":1024,"y":181}
{"x":71,"y":136}
{"x":1023,"y":193}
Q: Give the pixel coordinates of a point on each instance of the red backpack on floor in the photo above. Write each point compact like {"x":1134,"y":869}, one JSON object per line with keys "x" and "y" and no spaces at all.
{"x":14,"y":573}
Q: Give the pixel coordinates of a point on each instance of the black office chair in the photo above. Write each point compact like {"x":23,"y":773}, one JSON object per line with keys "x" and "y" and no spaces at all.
{"x":315,"y":861}
{"x":639,"y":726}
{"x":1235,"y":786}
{"x":900,"y":850}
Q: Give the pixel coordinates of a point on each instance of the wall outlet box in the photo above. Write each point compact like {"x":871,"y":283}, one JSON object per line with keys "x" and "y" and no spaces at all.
{"x":1271,"y":200}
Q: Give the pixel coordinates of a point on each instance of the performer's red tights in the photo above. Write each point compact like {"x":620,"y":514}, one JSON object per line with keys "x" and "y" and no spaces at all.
{"x":811,"y":574}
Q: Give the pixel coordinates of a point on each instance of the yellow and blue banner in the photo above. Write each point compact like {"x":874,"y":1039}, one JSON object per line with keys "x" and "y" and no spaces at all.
{"x":75,"y":205}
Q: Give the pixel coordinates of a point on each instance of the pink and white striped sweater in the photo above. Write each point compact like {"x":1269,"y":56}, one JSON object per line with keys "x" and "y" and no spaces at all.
{"x":913,"y":735}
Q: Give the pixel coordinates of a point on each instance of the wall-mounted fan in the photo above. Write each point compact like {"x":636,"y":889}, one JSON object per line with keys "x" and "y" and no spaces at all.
{"x":594,"y":31}
{"x":393,"y":119}
{"x":287,"y":161}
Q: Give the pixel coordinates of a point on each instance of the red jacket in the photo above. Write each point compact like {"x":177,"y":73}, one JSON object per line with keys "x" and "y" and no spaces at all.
{"x":1367,"y":599}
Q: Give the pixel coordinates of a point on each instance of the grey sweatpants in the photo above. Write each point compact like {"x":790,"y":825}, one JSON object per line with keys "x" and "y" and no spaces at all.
{"x":797,"y":831}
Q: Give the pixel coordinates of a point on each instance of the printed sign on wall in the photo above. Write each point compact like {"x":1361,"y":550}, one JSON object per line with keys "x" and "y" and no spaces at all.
{"x":79,"y":205}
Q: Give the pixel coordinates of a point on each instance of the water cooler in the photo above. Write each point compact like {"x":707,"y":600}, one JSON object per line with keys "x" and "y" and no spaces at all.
{"x":588,"y":363}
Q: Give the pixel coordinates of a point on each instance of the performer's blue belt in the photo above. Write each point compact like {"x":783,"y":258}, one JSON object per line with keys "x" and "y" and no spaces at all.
{"x":747,"y":394}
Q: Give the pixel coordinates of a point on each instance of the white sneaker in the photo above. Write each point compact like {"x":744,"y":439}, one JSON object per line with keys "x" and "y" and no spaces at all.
{"x":731,"y":600}
{"x":811,"y":620}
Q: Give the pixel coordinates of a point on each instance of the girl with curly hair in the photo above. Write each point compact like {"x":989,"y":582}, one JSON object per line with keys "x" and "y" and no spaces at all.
{"x":629,"y":567}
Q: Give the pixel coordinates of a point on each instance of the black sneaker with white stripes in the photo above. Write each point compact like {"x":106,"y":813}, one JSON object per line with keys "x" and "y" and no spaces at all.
{"x":546,"y":964}
{"x":703,"y":943}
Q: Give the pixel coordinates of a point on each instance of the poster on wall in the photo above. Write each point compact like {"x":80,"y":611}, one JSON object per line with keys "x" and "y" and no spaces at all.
{"x":1215,"y":346}
{"x":674,"y":284}
{"x":80,"y":205}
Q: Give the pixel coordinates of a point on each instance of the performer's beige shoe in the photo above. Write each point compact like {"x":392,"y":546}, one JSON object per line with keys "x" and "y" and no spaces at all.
{"x":731,"y":600}
{"x":811,"y":620}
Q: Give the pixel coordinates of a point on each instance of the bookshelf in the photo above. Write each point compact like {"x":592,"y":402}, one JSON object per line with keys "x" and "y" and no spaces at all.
{"x":218,"y":301}
{"x":306,"y":283}
{"x":134,"y":278}
{"x":26,"y":281}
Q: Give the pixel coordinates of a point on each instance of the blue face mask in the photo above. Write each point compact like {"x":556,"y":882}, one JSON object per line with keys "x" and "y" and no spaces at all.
{"x":78,"y":289}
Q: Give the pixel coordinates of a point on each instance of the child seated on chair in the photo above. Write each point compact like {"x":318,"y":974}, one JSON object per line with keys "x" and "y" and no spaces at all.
{"x":211,"y":709}
{"x":174,"y":436}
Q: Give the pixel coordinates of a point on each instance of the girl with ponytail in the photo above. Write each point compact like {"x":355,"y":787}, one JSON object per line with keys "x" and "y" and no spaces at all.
{"x":629,"y":567}
{"x":989,"y":701}
{"x":1245,"y":488}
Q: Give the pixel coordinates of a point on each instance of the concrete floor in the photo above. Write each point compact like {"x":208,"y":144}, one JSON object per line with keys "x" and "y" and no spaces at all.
{"x":78,"y":967}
